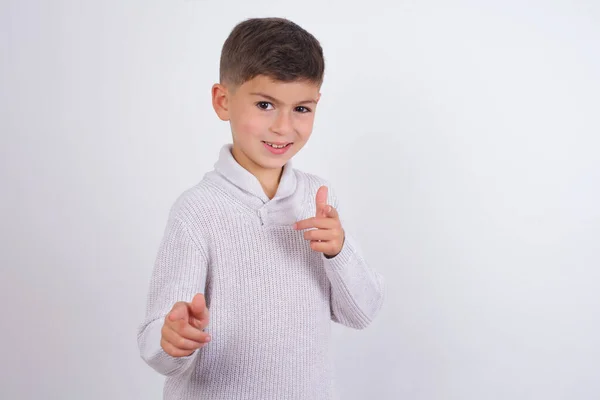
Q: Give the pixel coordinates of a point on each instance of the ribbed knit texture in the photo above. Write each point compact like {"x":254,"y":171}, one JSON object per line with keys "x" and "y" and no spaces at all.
{"x":271,"y":297}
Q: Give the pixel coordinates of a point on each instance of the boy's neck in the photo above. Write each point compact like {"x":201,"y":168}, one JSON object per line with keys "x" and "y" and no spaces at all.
{"x":269,"y":178}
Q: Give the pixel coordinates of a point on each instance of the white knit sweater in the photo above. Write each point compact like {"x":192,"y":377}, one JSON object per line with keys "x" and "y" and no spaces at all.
{"x":271,"y":297}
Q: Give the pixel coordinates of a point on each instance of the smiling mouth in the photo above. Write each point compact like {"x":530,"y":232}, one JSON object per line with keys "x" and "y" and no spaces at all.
{"x":278,"y":145}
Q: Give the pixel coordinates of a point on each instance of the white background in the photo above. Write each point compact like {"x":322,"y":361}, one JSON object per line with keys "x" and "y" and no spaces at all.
{"x":463,"y":138}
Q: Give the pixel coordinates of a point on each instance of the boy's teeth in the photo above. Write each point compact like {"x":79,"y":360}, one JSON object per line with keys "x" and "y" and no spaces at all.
{"x":276,"y":146}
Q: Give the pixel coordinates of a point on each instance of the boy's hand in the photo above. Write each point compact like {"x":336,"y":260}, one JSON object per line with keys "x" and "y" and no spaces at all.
{"x":182,"y":331}
{"x":329,"y":236}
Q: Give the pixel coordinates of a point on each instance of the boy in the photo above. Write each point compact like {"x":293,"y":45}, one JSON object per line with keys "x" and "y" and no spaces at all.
{"x":254,"y":263}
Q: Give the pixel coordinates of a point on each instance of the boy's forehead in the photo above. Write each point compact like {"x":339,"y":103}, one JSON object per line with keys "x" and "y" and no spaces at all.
{"x":299,"y":90}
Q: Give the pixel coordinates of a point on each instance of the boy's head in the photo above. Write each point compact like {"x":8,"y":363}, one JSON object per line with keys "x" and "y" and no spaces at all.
{"x":271,"y":72}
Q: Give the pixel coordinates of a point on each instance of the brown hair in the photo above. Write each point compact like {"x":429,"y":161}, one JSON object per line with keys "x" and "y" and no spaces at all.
{"x":275,"y":47}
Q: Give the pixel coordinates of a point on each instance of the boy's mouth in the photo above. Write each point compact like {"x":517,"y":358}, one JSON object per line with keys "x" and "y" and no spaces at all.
{"x":277,"y":145}
{"x":277,"y":148}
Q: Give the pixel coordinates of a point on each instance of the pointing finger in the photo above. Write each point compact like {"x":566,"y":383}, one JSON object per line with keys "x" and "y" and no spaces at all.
{"x":314,"y":222}
{"x":199,"y":311}
{"x":198,"y":306}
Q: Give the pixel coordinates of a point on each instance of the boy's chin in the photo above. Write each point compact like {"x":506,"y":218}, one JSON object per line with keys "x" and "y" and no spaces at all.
{"x":267,"y":163}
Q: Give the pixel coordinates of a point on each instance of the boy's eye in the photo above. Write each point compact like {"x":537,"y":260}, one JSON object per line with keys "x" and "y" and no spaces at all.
{"x":302,"y":109}
{"x":264,"y":105}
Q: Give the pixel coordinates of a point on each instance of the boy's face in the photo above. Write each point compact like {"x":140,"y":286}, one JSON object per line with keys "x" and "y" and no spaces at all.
{"x":270,"y":120}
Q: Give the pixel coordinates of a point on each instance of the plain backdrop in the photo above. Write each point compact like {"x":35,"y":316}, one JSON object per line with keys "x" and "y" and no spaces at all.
{"x":463,"y":138}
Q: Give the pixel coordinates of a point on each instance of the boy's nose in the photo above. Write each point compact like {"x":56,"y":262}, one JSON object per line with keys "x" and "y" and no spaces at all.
{"x":283,"y":124}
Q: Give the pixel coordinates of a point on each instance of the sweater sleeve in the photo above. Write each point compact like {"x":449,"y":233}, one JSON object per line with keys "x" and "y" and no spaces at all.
{"x":179,"y":273}
{"x":357,"y":290}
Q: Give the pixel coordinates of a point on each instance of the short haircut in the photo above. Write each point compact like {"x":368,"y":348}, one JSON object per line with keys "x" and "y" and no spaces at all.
{"x":274,"y":47}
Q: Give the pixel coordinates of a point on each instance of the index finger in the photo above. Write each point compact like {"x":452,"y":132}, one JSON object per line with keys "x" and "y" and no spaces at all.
{"x":315,"y":222}
{"x":198,"y":307}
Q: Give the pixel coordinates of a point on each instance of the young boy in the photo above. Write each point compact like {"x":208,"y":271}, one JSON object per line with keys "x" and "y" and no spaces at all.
{"x":255,"y":264}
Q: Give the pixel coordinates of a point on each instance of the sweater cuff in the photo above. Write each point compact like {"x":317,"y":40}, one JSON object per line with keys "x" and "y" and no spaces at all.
{"x":153,"y":353}
{"x":344,"y":257}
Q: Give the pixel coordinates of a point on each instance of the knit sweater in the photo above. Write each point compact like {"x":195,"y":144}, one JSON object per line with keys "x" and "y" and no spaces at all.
{"x":271,"y":297}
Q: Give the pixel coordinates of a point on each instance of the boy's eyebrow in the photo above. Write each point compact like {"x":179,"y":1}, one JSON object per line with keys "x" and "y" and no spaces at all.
{"x":274,"y":100}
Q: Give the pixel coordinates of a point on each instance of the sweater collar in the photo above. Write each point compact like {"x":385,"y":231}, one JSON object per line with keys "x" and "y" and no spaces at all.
{"x":243,"y":179}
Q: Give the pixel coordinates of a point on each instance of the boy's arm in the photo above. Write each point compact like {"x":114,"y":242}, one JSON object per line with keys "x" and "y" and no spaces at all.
{"x":357,"y":290}
{"x":179,"y":273}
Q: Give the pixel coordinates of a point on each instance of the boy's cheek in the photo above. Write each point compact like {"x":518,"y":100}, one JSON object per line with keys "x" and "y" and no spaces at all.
{"x":305,"y":125}
{"x":250,"y":127}
{"x":244,"y":126}
{"x":249,"y":123}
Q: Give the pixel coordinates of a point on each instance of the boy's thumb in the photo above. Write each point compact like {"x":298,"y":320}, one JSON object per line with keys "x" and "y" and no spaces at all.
{"x":321,"y":201}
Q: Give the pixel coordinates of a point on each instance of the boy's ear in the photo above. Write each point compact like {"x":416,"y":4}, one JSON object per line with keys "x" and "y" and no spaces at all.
{"x":220,"y":101}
